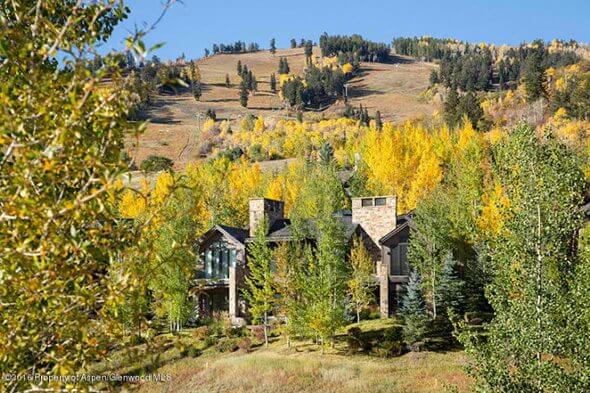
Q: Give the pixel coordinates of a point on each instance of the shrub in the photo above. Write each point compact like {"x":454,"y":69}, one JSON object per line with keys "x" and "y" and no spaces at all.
{"x":357,"y":340}
{"x":220,"y":322}
{"x":256,"y":153}
{"x":226,"y":345}
{"x":136,"y":340}
{"x":232,"y":331}
{"x":156,"y":163}
{"x":395,"y":333}
{"x":245,"y":344}
{"x":231,"y":154}
{"x":193,"y":352}
{"x":210,"y":341}
{"x":258,"y":332}
{"x":211,"y":114}
{"x":202,"y":332}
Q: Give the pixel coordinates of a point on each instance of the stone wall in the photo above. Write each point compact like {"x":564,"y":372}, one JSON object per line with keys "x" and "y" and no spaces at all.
{"x":261,"y":207}
{"x":377,"y":215}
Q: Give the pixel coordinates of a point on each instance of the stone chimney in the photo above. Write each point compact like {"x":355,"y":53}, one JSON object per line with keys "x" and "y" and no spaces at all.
{"x":263,"y":207}
{"x":377,"y":215}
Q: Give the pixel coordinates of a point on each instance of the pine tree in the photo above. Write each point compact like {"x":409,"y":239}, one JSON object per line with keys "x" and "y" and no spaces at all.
{"x":243,"y":94}
{"x":197,"y":91}
{"x":413,"y":310}
{"x":239,"y":68}
{"x":250,"y":80}
{"x":450,"y":107}
{"x":308,"y":51}
{"x":227,"y":81}
{"x":273,"y":48}
{"x":360,"y":284}
{"x":293,"y":43}
{"x":259,"y":291}
{"x":254,"y":84}
{"x":378,"y":122}
{"x":326,"y":153}
{"x":450,"y":287}
{"x":273,"y":83}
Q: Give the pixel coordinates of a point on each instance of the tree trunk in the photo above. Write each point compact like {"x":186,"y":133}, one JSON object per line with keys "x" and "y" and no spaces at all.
{"x":433,"y":292}
{"x":538,"y":305}
{"x":265,"y":329}
{"x":358,"y":316}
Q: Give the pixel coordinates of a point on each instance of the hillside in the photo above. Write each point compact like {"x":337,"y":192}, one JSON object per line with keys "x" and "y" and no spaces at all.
{"x":393,"y":89}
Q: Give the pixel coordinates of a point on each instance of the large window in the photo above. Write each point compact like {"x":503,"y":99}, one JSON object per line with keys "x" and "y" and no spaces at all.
{"x":399,"y":260}
{"x":218,"y":258}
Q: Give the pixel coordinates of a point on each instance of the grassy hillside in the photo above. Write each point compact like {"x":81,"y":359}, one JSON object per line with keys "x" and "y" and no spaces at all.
{"x":393,"y":89}
{"x":298,"y":368}
{"x":279,"y":370}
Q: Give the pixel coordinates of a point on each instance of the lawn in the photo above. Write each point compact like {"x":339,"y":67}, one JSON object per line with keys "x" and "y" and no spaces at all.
{"x":300,"y":368}
{"x":278,"y":369}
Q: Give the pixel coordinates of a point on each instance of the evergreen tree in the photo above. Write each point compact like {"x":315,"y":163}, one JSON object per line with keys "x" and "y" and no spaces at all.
{"x":273,"y":83}
{"x":434,"y":79}
{"x":273,"y":48}
{"x":450,"y":287}
{"x":243,"y":94}
{"x":360,"y":284}
{"x":326,"y":153}
{"x":308,"y":51}
{"x":227,"y":81}
{"x":293,"y":43}
{"x":450,"y":108}
{"x":250,"y":80}
{"x":534,"y":73}
{"x":413,"y":310}
{"x":378,"y":122}
{"x":197,"y":91}
{"x":259,"y":291}
{"x":254,"y":84}
{"x":239,"y":68}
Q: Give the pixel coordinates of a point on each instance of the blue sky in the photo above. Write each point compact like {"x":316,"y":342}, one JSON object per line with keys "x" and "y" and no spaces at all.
{"x":194,"y":25}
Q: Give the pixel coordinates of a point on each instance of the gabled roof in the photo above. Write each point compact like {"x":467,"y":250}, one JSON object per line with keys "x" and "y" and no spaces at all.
{"x":281,"y":230}
{"x":403,"y":222}
{"x":237,"y":235}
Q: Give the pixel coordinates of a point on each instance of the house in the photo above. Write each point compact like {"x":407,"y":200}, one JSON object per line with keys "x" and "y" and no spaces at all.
{"x":223,"y":254}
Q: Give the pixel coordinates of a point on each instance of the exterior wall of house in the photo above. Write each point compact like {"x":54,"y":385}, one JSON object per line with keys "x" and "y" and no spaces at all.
{"x":237,"y":273}
{"x":377,"y":215}
{"x":395,"y":271}
{"x":260,"y":208}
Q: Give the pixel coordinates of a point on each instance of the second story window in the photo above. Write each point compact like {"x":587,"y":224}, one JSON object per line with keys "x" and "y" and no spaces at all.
{"x":218,"y":259}
{"x":367,"y":202}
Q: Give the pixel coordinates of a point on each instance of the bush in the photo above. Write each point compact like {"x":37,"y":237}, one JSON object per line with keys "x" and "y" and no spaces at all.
{"x":193,"y":352}
{"x":245,"y":344}
{"x":156,"y":163}
{"x":211,"y":114}
{"x":358,"y":340}
{"x":202,"y":332}
{"x":232,"y":331}
{"x":258,"y":332}
{"x":136,"y":340}
{"x":226,"y":345}
{"x":210,"y":341}
{"x":231,"y":154}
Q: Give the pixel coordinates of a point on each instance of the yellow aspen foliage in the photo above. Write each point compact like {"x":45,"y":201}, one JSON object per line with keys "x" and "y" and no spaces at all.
{"x":132,"y":204}
{"x":164,"y":186}
{"x":493,"y":212}
{"x":259,"y":124}
{"x":347,"y":68}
